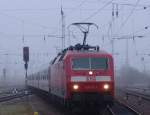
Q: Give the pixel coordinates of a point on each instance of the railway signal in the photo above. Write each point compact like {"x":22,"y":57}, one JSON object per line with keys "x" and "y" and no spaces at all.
{"x":26,"y":54}
{"x":26,"y":60}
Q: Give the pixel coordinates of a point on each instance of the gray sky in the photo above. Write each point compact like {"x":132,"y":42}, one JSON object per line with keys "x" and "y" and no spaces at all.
{"x":38,"y":18}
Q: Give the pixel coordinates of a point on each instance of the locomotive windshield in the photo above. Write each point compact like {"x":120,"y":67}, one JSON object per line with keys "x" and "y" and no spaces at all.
{"x":89,"y":63}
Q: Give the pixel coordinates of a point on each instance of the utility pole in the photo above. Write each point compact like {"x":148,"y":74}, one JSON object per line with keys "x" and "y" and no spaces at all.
{"x":111,"y":26}
{"x":114,"y":14}
{"x":127,"y":50}
{"x":4,"y":77}
{"x":63,"y":28}
{"x":6,"y":70}
{"x":143,"y":60}
{"x":127,"y":53}
{"x":127,"y":45}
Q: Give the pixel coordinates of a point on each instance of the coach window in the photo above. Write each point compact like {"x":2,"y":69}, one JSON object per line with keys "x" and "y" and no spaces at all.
{"x":57,"y":59}
{"x":61,"y":57}
{"x":54,"y":60}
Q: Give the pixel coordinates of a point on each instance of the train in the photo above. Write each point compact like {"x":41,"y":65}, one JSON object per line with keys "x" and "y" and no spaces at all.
{"x":78,"y":75}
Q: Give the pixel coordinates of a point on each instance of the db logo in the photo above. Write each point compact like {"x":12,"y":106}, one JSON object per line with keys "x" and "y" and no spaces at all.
{"x":90,"y":78}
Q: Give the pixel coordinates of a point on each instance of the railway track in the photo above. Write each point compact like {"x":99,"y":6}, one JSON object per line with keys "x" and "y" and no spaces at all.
{"x":121,"y":109}
{"x":137,"y":99}
{"x":10,"y":91}
{"x":139,"y":95}
{"x":117,"y":109}
{"x":14,"y":96}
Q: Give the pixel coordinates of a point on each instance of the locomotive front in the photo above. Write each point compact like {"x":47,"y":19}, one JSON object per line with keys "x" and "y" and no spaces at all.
{"x":90,"y":77}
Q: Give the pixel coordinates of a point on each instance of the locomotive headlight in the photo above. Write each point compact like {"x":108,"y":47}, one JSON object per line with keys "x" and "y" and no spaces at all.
{"x":106,"y":86}
{"x":75,"y":87}
{"x":90,"y":72}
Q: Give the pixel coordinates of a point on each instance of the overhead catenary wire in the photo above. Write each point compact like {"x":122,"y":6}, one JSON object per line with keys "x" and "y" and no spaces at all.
{"x":119,"y":9}
{"x":82,"y":2}
{"x":25,"y":21}
{"x":75,"y":8}
{"x":133,"y":5}
{"x":66,"y":8}
{"x":22,"y":21}
{"x":127,"y":20}
{"x":98,"y":11}
{"x":130,"y":14}
{"x":42,"y":26}
{"x":138,"y":31}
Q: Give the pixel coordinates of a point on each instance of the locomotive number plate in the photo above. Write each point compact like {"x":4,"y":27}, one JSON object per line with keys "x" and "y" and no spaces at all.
{"x":91,"y":78}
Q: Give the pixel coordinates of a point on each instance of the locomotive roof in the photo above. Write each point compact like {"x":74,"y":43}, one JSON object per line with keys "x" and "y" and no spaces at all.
{"x":82,"y":49}
{"x":100,"y":52}
{"x":79,"y":49}
{"x":89,"y":52}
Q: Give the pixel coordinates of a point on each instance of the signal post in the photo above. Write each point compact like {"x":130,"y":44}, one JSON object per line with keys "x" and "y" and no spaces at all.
{"x":26,"y":60}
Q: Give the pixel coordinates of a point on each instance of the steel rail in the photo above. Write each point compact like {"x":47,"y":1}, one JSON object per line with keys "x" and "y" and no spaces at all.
{"x":14,"y":96}
{"x":137,"y":94}
{"x":110,"y":110}
{"x":128,"y":107}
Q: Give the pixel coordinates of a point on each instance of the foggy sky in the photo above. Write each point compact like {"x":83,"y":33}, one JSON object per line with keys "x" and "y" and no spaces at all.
{"x":36,"y":19}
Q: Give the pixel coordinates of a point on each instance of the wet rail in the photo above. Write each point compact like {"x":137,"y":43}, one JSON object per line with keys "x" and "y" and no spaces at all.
{"x":121,"y":109}
{"x":137,"y":98}
{"x":139,"y":95}
{"x":10,"y":90}
{"x":14,"y":96}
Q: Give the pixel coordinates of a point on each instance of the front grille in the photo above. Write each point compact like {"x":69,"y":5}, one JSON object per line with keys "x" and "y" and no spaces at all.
{"x":86,"y":96}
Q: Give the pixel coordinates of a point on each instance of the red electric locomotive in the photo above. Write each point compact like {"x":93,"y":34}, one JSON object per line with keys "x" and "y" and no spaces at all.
{"x":84,"y":76}
{"x":80,"y":74}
